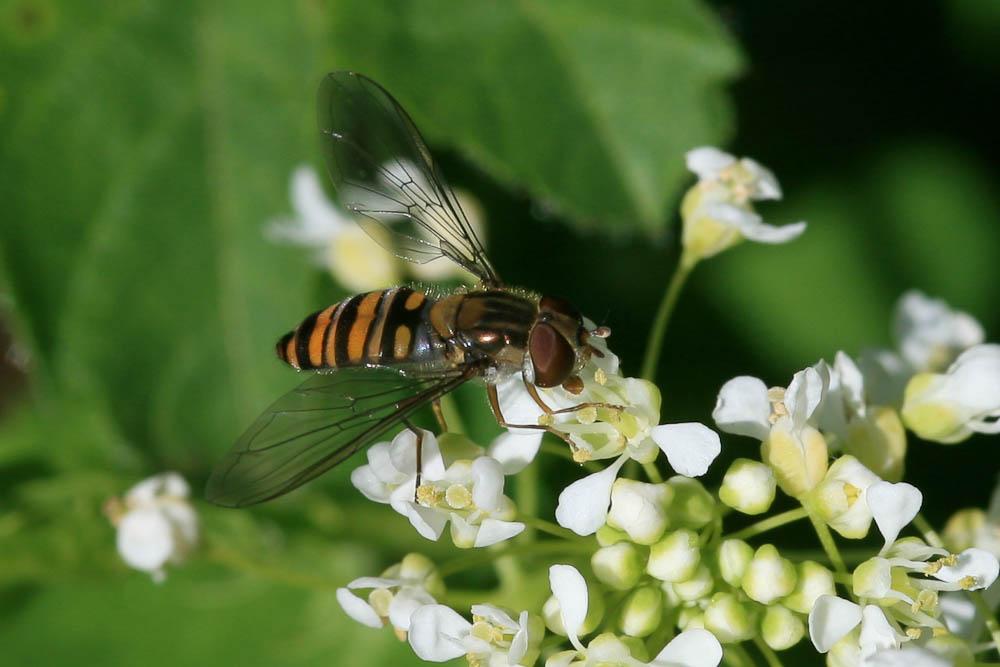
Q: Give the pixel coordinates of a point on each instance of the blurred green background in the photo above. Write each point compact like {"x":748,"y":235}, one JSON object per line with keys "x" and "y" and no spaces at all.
{"x":143,"y":146}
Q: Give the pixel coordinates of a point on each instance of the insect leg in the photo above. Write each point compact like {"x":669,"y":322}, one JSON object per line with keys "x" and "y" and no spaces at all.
{"x":533,"y":392}
{"x":420,"y":455}
{"x":439,"y":415}
{"x":491,"y":391}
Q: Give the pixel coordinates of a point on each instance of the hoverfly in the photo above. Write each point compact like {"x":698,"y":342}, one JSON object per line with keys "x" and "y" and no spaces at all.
{"x":379,"y":357}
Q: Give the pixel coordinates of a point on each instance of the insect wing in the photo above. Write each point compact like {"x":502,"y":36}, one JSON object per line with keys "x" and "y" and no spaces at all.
{"x":384,"y":172}
{"x":316,"y":426}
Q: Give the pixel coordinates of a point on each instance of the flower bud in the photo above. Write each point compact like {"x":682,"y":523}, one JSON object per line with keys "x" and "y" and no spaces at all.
{"x":769,"y":576}
{"x":813,"y":581}
{"x":692,"y":505}
{"x":872,"y":579}
{"x":606,"y":536}
{"x":690,"y":618}
{"x":729,"y":619}
{"x":839,"y":498}
{"x":699,"y":586}
{"x":950,"y":407}
{"x":967,"y":528}
{"x":617,"y":566}
{"x":734,"y":557}
{"x":675,"y":558}
{"x":781,"y":629}
{"x":879,"y":441}
{"x":639,"y":509}
{"x":798,"y":459}
{"x":642,"y":612}
{"x":748,"y":487}
{"x":595,"y":612}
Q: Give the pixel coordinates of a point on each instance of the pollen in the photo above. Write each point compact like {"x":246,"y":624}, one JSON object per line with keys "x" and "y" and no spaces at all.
{"x":458,"y":496}
{"x":852,"y":492}
{"x":600,"y":377}
{"x":587,"y":415}
{"x":428,"y":495}
{"x":545,"y":419}
{"x":969,"y":582}
{"x":913,"y":633}
{"x":581,"y":455}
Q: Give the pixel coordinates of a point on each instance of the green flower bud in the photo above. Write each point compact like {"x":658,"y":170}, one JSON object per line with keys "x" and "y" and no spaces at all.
{"x":692,"y":505}
{"x":781,"y":629}
{"x":606,"y":536}
{"x":799,"y":459}
{"x":872,"y":578}
{"x":675,"y":557}
{"x":769,"y":576}
{"x":734,"y":557}
{"x":691,"y":617}
{"x":595,"y":612}
{"x":642,"y":612}
{"x":813,"y":581}
{"x":697,"y":587}
{"x":748,"y":487}
{"x":729,"y":619}
{"x":617,"y":566}
{"x":965,"y":529}
{"x":639,"y":509}
{"x":879,"y":442}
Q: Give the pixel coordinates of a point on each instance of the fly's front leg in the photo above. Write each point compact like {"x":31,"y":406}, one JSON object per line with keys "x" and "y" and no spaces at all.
{"x":491,"y":391}
{"x":533,"y":392}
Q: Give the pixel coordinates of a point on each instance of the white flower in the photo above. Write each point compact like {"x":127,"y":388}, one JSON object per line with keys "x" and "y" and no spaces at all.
{"x":893,"y":506}
{"x":438,"y":633}
{"x":394,"y":596}
{"x":718,"y":211}
{"x":783,"y":419}
{"x":833,"y":618}
{"x":930,"y":334}
{"x":951,"y":406}
{"x":466,"y":491}
{"x":841,"y":500}
{"x":355,"y":260}
{"x":156,"y":523}
{"x":691,"y":648}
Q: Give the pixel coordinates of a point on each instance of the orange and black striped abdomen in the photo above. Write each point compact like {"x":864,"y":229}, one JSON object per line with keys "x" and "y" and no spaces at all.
{"x":384,"y":328}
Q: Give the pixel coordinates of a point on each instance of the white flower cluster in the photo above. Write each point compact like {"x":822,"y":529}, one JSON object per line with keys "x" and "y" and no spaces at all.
{"x":156,"y":524}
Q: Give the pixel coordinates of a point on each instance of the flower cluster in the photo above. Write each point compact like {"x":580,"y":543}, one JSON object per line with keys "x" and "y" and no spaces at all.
{"x":664,"y":571}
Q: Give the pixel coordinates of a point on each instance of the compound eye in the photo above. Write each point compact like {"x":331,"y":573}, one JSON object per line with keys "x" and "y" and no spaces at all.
{"x":561,"y":306}
{"x":552,"y":357}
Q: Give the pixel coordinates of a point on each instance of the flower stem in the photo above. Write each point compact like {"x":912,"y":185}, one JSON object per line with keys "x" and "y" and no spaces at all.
{"x":769,"y":523}
{"x":452,"y":415}
{"x":527,"y":497}
{"x":655,"y":343}
{"x":234,"y":560}
{"x":737,"y":656}
{"x":548,"y":527}
{"x":826,"y":540}
{"x":983,"y":607}
{"x":769,"y":655}
{"x":652,"y":473}
{"x":931,"y":535}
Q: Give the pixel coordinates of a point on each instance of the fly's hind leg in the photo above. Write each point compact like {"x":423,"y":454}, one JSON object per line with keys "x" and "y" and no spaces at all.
{"x":420,"y":455}
{"x":491,"y":391}
{"x":533,"y":392}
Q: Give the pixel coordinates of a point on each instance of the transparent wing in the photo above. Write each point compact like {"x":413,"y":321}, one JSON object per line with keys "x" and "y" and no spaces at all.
{"x":385,"y":173}
{"x":318,"y":425}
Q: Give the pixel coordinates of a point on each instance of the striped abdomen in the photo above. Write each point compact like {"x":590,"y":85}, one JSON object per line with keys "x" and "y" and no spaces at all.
{"x":376,"y":328}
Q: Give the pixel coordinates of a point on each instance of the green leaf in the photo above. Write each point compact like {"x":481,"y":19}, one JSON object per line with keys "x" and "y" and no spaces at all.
{"x":144,"y":147}
{"x":588,"y":105}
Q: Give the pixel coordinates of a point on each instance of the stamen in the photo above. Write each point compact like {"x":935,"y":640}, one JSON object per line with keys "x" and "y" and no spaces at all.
{"x":428,"y":495}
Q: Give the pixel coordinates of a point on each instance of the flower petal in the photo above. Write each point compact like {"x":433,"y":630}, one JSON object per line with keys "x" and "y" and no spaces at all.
{"x":979,"y":564}
{"x":405,"y":603}
{"x":494,"y":531}
{"x":146,"y":540}
{"x":436,"y":633}
{"x":374,"y":582}
{"x":371,"y":487}
{"x":583,"y":505}
{"x":893,"y":506}
{"x":743,"y":408}
{"x":691,"y":648}
{"x":831,"y":619}
{"x":803,"y":396}
{"x":428,"y":522}
{"x":358,"y":609}
{"x":515,"y":450}
{"x":570,"y":590}
{"x":876,"y":633}
{"x":487,"y":483}
{"x":689,"y":447}
{"x":765,"y":233}
{"x":707,"y":161}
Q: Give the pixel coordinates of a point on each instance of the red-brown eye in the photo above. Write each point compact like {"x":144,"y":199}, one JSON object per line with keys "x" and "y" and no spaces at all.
{"x":552,"y":357}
